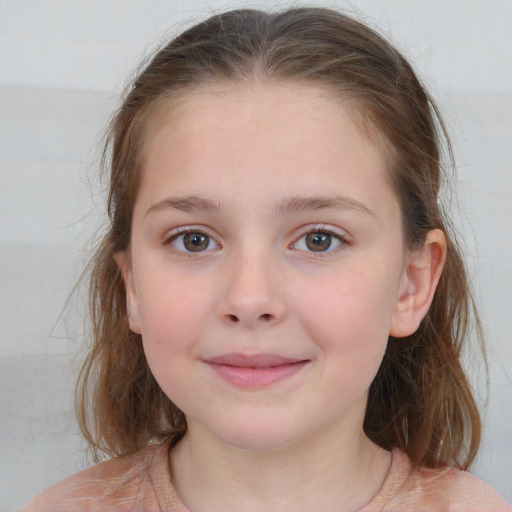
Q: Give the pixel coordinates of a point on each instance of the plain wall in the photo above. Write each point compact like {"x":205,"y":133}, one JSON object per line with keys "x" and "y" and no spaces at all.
{"x":63,"y":64}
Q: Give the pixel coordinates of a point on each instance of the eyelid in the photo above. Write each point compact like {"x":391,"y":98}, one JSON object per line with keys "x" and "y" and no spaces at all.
{"x":340,"y":234}
{"x":170,"y":236}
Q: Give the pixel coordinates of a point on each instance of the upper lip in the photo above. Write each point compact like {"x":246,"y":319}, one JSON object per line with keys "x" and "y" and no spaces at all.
{"x":253,"y":361}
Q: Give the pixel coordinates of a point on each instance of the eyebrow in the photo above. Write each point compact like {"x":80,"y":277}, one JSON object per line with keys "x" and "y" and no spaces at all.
{"x":299,"y":204}
{"x":186,"y":204}
{"x":289,"y":205}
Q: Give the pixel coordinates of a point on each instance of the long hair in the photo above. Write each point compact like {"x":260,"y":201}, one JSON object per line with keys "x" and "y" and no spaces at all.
{"x":420,"y":400}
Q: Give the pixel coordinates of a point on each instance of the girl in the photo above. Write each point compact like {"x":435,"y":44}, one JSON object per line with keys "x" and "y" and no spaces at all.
{"x":278,"y":307}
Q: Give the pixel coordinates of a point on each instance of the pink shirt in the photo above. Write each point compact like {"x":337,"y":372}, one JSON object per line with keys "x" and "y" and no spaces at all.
{"x":142,"y":483}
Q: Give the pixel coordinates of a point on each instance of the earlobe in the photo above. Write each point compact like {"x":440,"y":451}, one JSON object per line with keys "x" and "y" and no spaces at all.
{"x":123,"y":261}
{"x":419,"y":283}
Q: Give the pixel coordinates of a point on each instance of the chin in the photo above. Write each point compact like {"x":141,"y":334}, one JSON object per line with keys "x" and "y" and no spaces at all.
{"x":258,"y":436}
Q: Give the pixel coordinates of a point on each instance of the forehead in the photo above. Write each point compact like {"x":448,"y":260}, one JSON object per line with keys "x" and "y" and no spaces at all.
{"x":303,"y":100}
{"x":228,"y":139}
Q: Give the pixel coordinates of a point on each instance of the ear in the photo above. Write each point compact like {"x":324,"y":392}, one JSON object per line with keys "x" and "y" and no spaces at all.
{"x":418,"y":284}
{"x":124,"y":262}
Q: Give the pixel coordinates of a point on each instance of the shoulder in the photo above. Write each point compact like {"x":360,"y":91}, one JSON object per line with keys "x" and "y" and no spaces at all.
{"x":439,"y":490}
{"x":460,"y":491}
{"x":132,"y":482}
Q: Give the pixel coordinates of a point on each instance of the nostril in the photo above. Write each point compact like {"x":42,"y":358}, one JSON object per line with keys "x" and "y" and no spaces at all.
{"x":266,"y":316}
{"x":233,"y":318}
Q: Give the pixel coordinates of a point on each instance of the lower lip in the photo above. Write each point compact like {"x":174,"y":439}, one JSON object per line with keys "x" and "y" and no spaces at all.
{"x":256,"y":377}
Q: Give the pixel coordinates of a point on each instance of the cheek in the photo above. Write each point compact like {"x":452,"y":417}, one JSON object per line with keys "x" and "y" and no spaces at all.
{"x":349,"y":317}
{"x":171,"y":324}
{"x":172,"y":315}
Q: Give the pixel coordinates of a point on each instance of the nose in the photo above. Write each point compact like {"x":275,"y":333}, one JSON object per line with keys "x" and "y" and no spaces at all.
{"x":253,"y":294}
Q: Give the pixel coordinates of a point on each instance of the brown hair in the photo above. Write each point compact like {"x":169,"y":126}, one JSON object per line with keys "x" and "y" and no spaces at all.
{"x":420,"y":400}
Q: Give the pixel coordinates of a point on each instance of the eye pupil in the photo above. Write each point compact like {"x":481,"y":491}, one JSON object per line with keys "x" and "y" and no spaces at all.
{"x":195,"y":242}
{"x":318,"y":241}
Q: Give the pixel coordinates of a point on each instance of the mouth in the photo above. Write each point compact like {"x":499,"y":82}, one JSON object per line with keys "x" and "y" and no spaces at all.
{"x":255,"y":371}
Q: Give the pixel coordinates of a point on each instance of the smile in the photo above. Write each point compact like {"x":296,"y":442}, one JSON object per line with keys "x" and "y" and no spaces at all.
{"x":256,"y":371}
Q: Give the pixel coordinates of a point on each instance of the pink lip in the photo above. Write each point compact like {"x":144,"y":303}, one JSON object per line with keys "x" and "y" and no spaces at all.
{"x":255,"y":371}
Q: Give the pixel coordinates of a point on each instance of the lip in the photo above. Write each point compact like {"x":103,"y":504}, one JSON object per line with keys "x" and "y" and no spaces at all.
{"x":255,"y":371}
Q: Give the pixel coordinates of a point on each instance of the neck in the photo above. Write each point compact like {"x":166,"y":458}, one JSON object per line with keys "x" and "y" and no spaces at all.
{"x":328,"y":472}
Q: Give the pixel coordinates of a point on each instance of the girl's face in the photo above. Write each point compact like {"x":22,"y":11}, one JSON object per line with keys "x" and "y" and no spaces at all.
{"x":267,"y":263}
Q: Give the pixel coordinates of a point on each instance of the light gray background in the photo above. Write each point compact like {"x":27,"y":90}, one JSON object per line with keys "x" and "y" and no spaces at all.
{"x":62,"y":66}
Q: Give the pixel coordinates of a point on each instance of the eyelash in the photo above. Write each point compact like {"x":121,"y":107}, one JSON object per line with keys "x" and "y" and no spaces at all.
{"x":172,"y":237}
{"x":343,"y":240}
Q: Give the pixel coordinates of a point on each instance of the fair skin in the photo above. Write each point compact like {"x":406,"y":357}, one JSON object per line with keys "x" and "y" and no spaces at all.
{"x":266,"y":270}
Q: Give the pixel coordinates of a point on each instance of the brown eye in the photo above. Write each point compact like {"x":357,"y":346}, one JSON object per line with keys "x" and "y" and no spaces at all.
{"x":196,"y":242}
{"x":318,"y":242}
{"x":191,"y":242}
